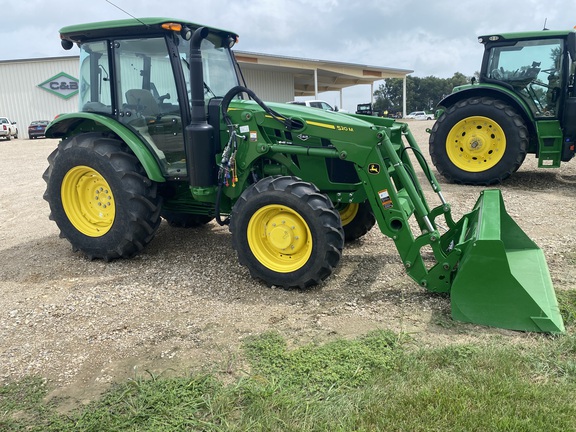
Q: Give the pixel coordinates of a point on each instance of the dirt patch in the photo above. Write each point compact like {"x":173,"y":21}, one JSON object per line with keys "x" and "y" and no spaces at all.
{"x":185,"y":303}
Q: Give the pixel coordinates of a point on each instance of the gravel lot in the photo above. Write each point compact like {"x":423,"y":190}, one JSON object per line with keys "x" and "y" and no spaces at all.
{"x":185,"y":303}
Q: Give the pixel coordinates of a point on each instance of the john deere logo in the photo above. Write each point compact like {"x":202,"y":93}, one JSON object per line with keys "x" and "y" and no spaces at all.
{"x":374,"y":168}
{"x":61,"y":85}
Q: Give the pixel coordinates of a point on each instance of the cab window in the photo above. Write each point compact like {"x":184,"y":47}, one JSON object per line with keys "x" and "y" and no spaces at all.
{"x":533,"y":69}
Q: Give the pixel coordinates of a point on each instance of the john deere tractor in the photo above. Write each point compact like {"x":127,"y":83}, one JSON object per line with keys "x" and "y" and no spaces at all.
{"x":524,"y":103}
{"x":166,"y":131}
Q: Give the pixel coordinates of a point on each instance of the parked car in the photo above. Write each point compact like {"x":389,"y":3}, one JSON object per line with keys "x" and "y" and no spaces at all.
{"x":317,"y":104}
{"x":37,"y":129}
{"x":8,"y":129}
{"x":420,"y":115}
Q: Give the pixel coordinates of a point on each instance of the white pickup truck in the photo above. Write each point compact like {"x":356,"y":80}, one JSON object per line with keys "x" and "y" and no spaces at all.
{"x":8,"y":129}
{"x":317,"y":104}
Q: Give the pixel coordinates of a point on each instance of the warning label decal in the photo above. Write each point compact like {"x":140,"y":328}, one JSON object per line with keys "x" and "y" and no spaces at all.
{"x":385,"y":199}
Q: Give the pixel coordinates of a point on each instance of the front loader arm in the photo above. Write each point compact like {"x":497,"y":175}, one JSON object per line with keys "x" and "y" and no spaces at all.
{"x":396,"y":196}
{"x":495,"y":274}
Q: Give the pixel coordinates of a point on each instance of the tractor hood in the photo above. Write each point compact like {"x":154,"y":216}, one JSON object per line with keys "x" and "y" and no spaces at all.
{"x":318,"y":122}
{"x":293,"y":128}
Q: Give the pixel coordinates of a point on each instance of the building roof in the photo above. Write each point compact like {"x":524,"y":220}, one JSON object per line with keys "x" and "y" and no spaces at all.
{"x":327,"y":75}
{"x":330,"y":75}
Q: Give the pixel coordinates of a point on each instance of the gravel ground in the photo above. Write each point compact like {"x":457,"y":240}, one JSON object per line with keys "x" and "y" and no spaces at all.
{"x":185,"y":303}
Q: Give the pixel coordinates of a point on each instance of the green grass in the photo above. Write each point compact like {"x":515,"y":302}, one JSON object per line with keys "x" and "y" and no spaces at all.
{"x":379,"y":382}
{"x":324,"y":368}
{"x":567,"y":303}
{"x":22,"y":403}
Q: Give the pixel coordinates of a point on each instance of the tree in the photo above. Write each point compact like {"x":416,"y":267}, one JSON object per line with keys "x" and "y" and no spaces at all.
{"x":422,"y":94}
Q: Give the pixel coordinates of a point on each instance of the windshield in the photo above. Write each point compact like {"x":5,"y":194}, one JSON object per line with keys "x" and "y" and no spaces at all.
{"x":217,"y":64}
{"x":533,"y":68}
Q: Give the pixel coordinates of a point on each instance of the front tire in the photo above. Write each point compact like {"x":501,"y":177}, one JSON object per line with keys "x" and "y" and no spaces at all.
{"x":478,"y":141}
{"x":100,"y":197}
{"x":286,"y":232}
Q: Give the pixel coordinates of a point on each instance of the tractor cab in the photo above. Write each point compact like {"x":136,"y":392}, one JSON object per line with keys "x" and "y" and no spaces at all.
{"x":140,"y":75}
{"x":535,"y":67}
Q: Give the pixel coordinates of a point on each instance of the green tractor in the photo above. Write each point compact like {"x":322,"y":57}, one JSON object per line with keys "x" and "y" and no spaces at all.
{"x":523,"y":103}
{"x":166,"y":131}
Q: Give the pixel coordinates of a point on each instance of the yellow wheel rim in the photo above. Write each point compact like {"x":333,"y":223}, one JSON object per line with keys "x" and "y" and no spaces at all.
{"x":348,"y":213}
{"x":279,"y":238}
{"x":88,"y":201}
{"x":476,"y":144}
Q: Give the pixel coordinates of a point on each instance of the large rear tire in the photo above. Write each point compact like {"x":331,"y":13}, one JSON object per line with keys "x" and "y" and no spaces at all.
{"x":357,"y":219}
{"x":286,"y":232}
{"x":100,"y":197}
{"x":478,"y":141}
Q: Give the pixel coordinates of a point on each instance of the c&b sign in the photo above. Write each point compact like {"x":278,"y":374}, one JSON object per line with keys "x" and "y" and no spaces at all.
{"x":61,"y":85}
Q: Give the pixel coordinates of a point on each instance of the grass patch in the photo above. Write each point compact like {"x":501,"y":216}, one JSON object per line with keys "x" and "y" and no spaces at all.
{"x":567,"y":304}
{"x":22,"y":403}
{"x":376,"y":382}
{"x":164,"y":404}
{"x":322,"y":368}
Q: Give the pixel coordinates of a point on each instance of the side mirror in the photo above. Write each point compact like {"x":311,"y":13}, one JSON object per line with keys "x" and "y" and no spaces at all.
{"x":572,"y":45}
{"x":66,"y":44}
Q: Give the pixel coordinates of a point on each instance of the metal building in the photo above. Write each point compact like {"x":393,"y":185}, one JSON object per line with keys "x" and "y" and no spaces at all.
{"x":40,"y":89}
{"x":31,"y":89}
{"x":280,"y":79}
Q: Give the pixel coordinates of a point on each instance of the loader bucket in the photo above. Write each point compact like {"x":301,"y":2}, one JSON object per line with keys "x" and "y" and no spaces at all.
{"x":503,"y":278}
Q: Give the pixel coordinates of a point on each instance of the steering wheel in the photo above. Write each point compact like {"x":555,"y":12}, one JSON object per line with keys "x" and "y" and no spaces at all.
{"x":497,"y":74}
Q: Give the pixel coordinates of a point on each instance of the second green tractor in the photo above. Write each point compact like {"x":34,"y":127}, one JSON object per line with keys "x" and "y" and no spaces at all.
{"x":523,"y":103}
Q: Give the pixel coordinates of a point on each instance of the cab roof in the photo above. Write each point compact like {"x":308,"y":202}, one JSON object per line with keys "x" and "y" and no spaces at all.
{"x":540,"y":34}
{"x":127,"y":27}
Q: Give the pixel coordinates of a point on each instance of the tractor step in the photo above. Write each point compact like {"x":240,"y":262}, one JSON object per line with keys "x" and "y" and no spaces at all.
{"x":551,"y":144}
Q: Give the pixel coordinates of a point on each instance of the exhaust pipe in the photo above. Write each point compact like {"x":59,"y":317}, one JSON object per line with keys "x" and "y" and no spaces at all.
{"x":198,"y":135}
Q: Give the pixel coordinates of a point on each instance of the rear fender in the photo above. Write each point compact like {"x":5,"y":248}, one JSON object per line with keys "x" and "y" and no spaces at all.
{"x":489,"y":90}
{"x":68,"y":125}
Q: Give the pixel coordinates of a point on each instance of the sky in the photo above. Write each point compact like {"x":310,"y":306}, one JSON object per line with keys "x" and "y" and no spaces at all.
{"x":432,"y":38}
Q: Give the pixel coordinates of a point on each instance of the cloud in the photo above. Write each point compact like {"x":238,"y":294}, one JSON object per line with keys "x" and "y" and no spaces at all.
{"x":432,"y":38}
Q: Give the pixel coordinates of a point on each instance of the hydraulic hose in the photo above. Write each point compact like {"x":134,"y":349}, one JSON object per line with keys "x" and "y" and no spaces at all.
{"x":287,"y":122}
{"x":226,"y":100}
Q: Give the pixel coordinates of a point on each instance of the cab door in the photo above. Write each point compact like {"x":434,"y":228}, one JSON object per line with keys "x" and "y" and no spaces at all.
{"x":148,"y":99}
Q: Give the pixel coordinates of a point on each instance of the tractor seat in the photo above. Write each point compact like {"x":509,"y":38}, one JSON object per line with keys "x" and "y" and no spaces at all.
{"x":143,"y":101}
